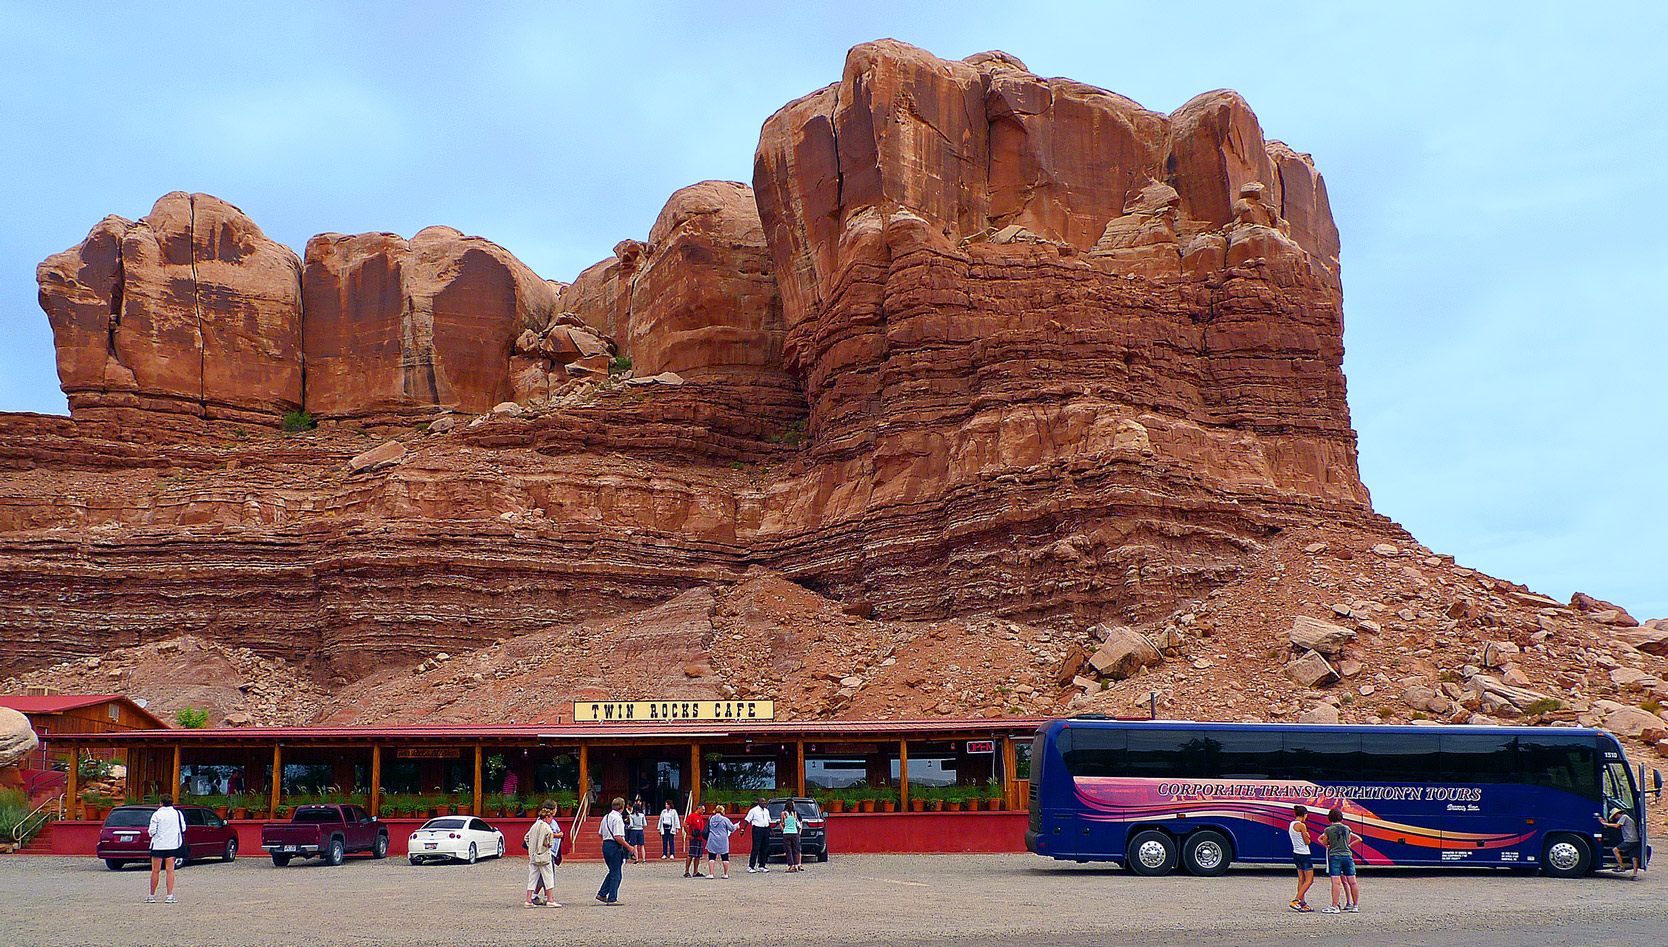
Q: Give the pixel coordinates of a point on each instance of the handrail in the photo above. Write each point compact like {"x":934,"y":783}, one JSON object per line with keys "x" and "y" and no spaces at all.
{"x":580,"y":814}
{"x":18,"y":833}
{"x":689,"y":803}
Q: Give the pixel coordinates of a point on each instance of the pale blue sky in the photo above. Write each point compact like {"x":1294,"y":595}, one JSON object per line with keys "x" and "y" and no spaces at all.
{"x":1496,"y":171}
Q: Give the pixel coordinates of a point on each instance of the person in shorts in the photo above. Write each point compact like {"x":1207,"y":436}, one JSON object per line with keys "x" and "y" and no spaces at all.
{"x":1298,"y":830}
{"x":637,"y":821}
{"x":695,"y":841}
{"x":541,"y":840}
{"x":1340,"y":864}
{"x":1627,"y":850}
{"x":167,"y":830}
{"x":719,"y":830}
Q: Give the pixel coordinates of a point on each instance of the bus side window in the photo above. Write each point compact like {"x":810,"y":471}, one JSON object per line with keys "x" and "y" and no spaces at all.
{"x":1093,"y":751}
{"x":1393,"y":757}
{"x":1478,"y":758}
{"x":1322,"y":756}
{"x":1558,"y":761}
{"x":1247,"y":754}
{"x":1167,"y":754}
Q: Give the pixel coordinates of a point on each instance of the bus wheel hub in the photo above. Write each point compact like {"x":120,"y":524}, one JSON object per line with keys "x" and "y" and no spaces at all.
{"x":1151,"y":853}
{"x":1563,"y":855}
{"x":1208,"y":855}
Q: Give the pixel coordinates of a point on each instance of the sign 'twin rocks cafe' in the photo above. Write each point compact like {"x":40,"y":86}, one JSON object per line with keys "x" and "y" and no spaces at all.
{"x":941,"y":785}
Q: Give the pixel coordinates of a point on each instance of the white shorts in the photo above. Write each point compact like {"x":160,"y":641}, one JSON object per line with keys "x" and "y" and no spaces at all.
{"x":540,"y":874}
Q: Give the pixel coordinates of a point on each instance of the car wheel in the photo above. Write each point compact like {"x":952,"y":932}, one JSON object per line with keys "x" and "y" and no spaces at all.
{"x":1567,"y":856}
{"x":1207,"y":853}
{"x":822,"y":856}
{"x":280,"y":860}
{"x":1151,"y":853}
{"x":500,"y":846}
{"x":334,"y":856}
{"x":114,"y":864}
{"x":380,"y":849}
{"x":231,"y":850}
{"x":473,"y":855}
{"x":414,"y":859}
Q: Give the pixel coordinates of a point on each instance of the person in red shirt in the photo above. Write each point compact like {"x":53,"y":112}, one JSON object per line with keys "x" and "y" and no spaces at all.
{"x":695,"y":840}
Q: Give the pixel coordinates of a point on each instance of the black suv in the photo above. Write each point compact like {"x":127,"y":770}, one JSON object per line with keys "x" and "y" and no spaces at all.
{"x":813,"y":828}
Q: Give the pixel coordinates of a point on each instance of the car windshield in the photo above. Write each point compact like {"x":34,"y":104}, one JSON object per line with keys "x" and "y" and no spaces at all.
{"x":446,"y":823}
{"x":130,"y":818}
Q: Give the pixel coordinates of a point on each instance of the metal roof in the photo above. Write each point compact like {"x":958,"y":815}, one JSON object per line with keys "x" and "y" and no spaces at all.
{"x":758,"y":732}
{"x":62,"y":703}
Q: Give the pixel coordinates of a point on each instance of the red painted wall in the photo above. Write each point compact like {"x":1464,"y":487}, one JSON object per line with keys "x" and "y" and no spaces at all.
{"x":848,"y":833}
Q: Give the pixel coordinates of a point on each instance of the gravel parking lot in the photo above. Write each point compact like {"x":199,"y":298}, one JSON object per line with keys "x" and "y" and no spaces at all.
{"x":875,"y":899}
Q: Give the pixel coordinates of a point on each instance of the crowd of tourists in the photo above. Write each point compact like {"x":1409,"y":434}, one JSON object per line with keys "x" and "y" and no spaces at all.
{"x":705,"y":832}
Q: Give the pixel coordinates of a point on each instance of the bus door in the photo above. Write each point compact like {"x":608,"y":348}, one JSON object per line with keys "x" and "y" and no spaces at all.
{"x":1617,"y":782}
{"x":1480,"y":806}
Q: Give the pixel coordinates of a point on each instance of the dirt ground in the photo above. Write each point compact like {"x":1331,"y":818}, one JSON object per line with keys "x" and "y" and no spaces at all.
{"x":869,"y":899}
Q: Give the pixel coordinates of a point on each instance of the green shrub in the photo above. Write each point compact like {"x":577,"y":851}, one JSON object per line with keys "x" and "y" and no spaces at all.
{"x":192,"y":718}
{"x":92,"y":769}
{"x":1544,"y":705}
{"x":619,"y":364}
{"x":791,"y":435}
{"x":298,"y":420}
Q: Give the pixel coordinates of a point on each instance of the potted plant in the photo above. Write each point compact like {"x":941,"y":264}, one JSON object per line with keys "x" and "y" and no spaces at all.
{"x":935,"y":798}
{"x":918,"y":799}
{"x":836,"y":802}
{"x":888,"y":799}
{"x":993,"y":796}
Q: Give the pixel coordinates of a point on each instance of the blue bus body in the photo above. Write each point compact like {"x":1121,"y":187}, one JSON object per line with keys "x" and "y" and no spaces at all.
{"x":1158,"y":795}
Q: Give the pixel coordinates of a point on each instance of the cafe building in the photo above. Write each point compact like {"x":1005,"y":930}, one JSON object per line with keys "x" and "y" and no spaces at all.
{"x":939,"y":785}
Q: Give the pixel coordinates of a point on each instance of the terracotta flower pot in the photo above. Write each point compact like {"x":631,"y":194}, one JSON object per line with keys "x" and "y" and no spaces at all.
{"x":240,"y":813}
{"x":867,"y":805}
{"x":888,"y":805}
{"x":954,"y":806}
{"x":836,"y":805}
{"x":917,"y":805}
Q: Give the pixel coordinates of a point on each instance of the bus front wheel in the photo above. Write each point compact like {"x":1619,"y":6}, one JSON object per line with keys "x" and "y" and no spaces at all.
{"x":1567,"y":856}
{"x":1152,"y":853}
{"x":1206,"y":853}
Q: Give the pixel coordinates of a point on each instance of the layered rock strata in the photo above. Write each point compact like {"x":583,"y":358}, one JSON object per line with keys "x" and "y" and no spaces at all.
{"x":974,"y":342}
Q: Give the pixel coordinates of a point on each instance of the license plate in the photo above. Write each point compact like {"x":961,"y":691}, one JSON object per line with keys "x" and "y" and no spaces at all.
{"x":126,"y":838}
{"x":432,"y":845}
{"x":291,"y":848}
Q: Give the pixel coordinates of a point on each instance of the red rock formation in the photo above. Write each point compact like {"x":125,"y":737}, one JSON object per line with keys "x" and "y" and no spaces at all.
{"x":189,"y":315}
{"x":1054,"y":357}
{"x":394,"y":325}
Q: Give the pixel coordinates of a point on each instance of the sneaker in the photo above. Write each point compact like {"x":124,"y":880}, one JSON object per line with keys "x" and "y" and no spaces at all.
{"x":528,"y":904}
{"x":1306,"y":909}
{"x":1296,"y":905}
{"x":763,"y":870}
{"x":170,"y":900}
{"x":553,"y":904}
{"x":752,"y":871}
{"x":1331,"y":909}
{"x":1353,"y":908}
{"x":150,"y":899}
{"x":601,"y":899}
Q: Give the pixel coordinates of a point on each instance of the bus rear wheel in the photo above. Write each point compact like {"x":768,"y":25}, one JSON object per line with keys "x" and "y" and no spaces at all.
{"x":1152,"y":853}
{"x":1207,"y":853}
{"x":1567,"y":856}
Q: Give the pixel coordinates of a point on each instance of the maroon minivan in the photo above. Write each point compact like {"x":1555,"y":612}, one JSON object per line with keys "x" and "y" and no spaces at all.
{"x":126,"y":836}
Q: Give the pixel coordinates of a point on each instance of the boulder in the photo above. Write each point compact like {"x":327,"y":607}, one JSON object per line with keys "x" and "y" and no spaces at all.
{"x":395,"y":324}
{"x":17,"y":738}
{"x":1633,"y":679}
{"x":1311,"y":670}
{"x":1601,"y":611}
{"x":1626,"y":721}
{"x":389,"y":454}
{"x":189,"y":315}
{"x":1520,"y":698}
{"x":1650,"y":637}
{"x":1325,"y":714}
{"x":1312,"y":634}
{"x":1125,"y":652}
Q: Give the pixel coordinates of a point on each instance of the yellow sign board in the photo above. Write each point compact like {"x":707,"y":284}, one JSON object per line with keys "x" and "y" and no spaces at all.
{"x":674,"y":711}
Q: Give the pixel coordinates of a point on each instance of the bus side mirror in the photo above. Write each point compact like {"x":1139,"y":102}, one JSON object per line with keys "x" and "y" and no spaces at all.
{"x":1656,"y":778}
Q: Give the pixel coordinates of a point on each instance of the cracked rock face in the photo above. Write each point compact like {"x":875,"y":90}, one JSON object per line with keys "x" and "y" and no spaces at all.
{"x":973,"y":342}
{"x":189,"y":315}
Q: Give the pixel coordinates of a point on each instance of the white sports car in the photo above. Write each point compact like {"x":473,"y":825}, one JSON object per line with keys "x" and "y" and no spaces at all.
{"x":460,"y":837}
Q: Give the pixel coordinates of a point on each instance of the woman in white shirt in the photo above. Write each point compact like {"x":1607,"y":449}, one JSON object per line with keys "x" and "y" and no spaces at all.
{"x":167,"y":830}
{"x":669,"y":825}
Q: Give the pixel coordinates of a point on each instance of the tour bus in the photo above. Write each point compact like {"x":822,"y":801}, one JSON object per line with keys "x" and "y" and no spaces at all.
{"x":1153,"y":795}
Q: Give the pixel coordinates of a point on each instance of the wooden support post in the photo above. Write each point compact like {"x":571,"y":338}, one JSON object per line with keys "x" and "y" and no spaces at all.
{"x":72,"y":791}
{"x":277,"y":778}
{"x":695,"y":771}
{"x":376,"y":780}
{"x":476,"y":807}
{"x":799,"y":768}
{"x":584,"y":770}
{"x":903,"y":775}
{"x":174,"y":787}
{"x":1009,"y":783}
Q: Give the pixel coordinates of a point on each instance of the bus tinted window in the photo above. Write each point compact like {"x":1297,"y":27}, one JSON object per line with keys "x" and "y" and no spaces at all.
{"x":1559,"y":761}
{"x":1477,"y":758}
{"x":1397,"y":757}
{"x":1167,"y":753}
{"x":1247,"y":754}
{"x":1093,"y":751}
{"x":1323,"y":757}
